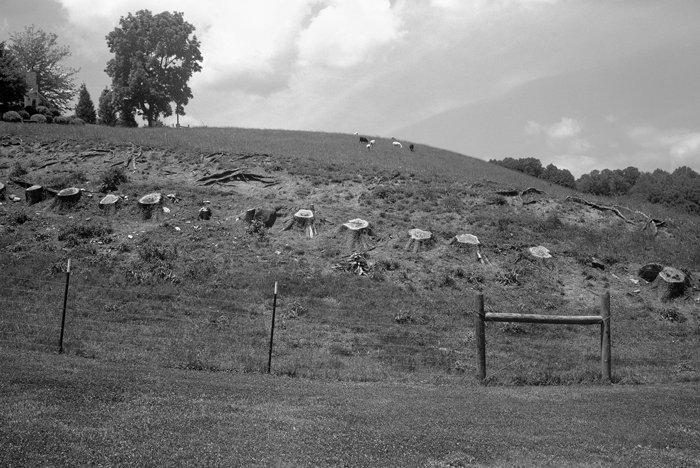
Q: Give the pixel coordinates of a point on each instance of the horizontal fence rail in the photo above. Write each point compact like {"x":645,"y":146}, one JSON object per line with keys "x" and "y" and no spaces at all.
{"x":603,"y":319}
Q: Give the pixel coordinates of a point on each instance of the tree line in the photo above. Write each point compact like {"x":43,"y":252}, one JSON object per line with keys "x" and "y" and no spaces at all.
{"x":154,"y":58}
{"x":679,"y":189}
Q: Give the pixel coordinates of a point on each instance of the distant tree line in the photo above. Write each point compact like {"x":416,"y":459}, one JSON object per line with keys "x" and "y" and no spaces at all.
{"x":679,"y":190}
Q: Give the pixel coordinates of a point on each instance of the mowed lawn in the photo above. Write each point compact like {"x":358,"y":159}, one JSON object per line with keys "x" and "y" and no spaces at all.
{"x":69,"y":411}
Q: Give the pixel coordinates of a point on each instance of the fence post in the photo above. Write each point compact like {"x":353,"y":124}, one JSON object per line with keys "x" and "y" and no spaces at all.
{"x":605,"y":357}
{"x":272,"y":329}
{"x":63,"y":318}
{"x":480,"y":333}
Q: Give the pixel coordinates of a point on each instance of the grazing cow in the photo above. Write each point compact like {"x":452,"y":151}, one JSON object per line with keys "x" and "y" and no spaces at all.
{"x":397,"y":144}
{"x":369,"y":146}
{"x":411,"y":147}
{"x":364,"y":140}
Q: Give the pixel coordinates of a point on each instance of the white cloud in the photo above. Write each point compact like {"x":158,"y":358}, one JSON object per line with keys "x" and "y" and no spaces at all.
{"x":345,"y":33}
{"x":560,"y":134}
{"x":680,"y":145}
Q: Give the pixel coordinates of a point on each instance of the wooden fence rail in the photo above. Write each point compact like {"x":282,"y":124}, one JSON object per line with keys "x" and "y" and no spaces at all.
{"x":603,"y":319}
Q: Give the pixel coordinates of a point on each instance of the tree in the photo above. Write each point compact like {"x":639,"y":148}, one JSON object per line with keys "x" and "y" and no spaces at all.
{"x":154,"y":58}
{"x":85,"y":109}
{"x":38,"y":51}
{"x":558,"y":176}
{"x":106,"y":110}
{"x":13,"y":85}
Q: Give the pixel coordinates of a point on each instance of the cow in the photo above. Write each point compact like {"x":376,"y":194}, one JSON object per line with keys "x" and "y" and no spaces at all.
{"x":364,"y":140}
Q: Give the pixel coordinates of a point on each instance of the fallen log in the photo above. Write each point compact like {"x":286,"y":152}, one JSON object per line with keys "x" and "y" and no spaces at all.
{"x":235,"y":175}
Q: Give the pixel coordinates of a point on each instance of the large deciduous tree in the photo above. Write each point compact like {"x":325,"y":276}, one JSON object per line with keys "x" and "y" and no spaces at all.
{"x":38,"y":51}
{"x":154,"y":58}
{"x":13,"y":85}
{"x":85,"y":109}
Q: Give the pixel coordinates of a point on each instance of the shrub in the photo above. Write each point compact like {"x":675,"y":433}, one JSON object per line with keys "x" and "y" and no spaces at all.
{"x":62,"y":120}
{"x":55,"y":112}
{"x":17,"y":170}
{"x":112,"y":178}
{"x":24,"y":114}
{"x":41,"y":109}
{"x":30,"y":110}
{"x":38,"y":118}
{"x":76,"y":121}
{"x":11,"y":116}
{"x":49,"y":117}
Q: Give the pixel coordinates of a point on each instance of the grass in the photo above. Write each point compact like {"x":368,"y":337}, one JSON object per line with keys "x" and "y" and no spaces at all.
{"x":168,"y":321}
{"x":113,"y":414}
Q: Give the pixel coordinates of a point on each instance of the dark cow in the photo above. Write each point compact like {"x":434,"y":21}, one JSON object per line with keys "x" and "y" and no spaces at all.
{"x":364,"y":140}
{"x":411,"y":147}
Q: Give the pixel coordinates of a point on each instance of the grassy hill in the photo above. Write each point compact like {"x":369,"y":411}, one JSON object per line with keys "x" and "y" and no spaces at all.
{"x":180,"y":288}
{"x":380,"y":336}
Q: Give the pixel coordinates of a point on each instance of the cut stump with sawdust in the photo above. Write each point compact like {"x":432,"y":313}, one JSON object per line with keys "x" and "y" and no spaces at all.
{"x":356,"y":233}
{"x":110,"y":204}
{"x":418,"y":237}
{"x":303,"y":220}
{"x":150,"y":204}
{"x":66,"y":198}
{"x":540,"y":252}
{"x":34,"y":194}
{"x":671,"y":283}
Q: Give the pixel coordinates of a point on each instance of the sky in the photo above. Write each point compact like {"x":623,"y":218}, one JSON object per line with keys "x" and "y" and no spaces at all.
{"x":581,"y":84}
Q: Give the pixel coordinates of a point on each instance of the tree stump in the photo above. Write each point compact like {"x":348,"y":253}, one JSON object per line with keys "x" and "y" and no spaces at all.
{"x":110,"y":204}
{"x":650,"y":271}
{"x":540,"y":252}
{"x":67,"y":197}
{"x":468,"y":243}
{"x":204,"y":213}
{"x":303,"y":220}
{"x":417,"y":237}
{"x":671,"y":282}
{"x":150,"y":204}
{"x":2,"y":191}
{"x":356,"y":232}
{"x":267,"y":217}
{"x":34,"y":194}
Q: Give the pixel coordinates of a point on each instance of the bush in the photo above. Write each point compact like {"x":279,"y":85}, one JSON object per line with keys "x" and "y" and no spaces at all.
{"x":38,"y":118}
{"x":112,"y":178}
{"x":30,"y":110}
{"x":76,"y":121}
{"x":62,"y":120}
{"x":11,"y":116}
{"x":41,"y":109}
{"x":49,"y":117}
{"x":24,"y":114}
{"x":55,"y":112}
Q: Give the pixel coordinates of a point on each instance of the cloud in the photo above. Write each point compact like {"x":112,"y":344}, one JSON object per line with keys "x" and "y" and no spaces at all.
{"x":680,"y":145}
{"x":346,"y":33}
{"x":560,"y":134}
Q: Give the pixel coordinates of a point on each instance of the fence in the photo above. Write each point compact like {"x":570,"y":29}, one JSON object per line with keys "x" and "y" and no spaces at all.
{"x":603,"y":320}
{"x":221,"y":328}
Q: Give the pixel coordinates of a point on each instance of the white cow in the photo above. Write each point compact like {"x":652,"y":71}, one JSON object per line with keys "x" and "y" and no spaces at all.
{"x":397,"y":144}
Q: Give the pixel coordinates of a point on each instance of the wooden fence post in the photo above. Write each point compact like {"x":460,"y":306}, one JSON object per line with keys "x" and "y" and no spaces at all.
{"x":480,"y":338}
{"x":605,"y":357}
{"x":272,"y":329}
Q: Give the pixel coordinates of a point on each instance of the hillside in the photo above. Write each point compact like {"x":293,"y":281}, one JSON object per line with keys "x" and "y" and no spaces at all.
{"x":197,"y":294}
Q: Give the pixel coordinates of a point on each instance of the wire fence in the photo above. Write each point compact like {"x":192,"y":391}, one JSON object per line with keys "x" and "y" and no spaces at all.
{"x":216,"y":329}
